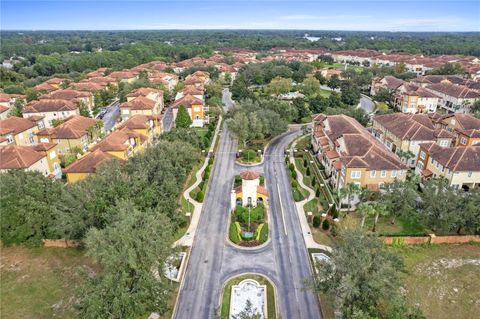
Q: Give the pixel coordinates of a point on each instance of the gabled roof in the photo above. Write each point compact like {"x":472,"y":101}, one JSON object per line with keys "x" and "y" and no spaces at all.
{"x":15,"y":125}
{"x":67,"y":94}
{"x":457,"y":159}
{"x":249,"y":175}
{"x":144,"y":92}
{"x":139,"y":103}
{"x":118,"y":140}
{"x":48,"y":105}
{"x":139,"y":121}
{"x":74,"y":127}
{"x":187,"y":100}
{"x":458,"y":91}
{"x":18,"y":157}
{"x":89,"y":163}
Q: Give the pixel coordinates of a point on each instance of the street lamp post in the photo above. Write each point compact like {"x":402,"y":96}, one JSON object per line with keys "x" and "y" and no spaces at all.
{"x":249,"y":206}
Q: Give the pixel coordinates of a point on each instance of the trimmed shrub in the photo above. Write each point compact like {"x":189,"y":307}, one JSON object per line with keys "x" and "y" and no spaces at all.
{"x":206,"y":175}
{"x":256,"y":214}
{"x":316,"y":221}
{"x":291,"y":167}
{"x":200,"y":196}
{"x":334,"y":213}
{"x":308,"y":171}
{"x":314,"y":181}
{"x":238,"y":180}
{"x":207,"y":169}
{"x":305,"y":162}
{"x":294,"y":184}
{"x":249,"y":155}
{"x":334,"y":230}
{"x":262,"y":180}
{"x":317,"y":192}
{"x":264,"y":233}
{"x":325,"y":224}
{"x":210,"y":161}
{"x":233,"y":234}
{"x":294,"y":174}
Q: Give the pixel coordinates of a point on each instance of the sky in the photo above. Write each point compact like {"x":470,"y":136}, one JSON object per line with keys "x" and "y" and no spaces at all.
{"x":386,"y":15}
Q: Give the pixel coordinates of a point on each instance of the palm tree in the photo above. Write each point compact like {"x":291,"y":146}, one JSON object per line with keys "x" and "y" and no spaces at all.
{"x":380,"y":210}
{"x":365,"y":193}
{"x":365,"y":210}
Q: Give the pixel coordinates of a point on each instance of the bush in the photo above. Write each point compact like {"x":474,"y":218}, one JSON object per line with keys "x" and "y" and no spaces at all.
{"x":325,"y":224}
{"x":316,"y":221}
{"x":210,"y":161}
{"x":262,"y":180}
{"x":238,"y":180}
{"x":249,"y":155}
{"x":207,"y":169}
{"x":294,"y":174}
{"x":256,"y":214}
{"x":200,"y":196}
{"x":334,"y":230}
{"x":291,"y":167}
{"x":264,"y":233}
{"x":314,"y":182}
{"x":234,"y":234}
{"x":294,"y":184}
{"x":308,"y":171}
{"x":317,"y":192}
{"x":305,"y":163}
{"x":206,"y":175}
{"x":334,"y":213}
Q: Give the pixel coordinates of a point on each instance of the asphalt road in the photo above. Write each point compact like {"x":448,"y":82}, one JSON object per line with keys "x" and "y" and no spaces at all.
{"x":168,"y":119}
{"x":213,"y":261}
{"x":110,"y":118}
{"x":367,"y":104}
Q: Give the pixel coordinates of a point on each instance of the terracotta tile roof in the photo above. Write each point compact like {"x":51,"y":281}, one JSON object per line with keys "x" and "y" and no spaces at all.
{"x":140,"y":121}
{"x":18,"y":157}
{"x":144,"y":92}
{"x":454,"y":90}
{"x":88,"y":86}
{"x":3,"y":108}
{"x":44,"y":87}
{"x":56,"y":81}
{"x":118,"y":140}
{"x":356,"y":146}
{"x":48,"y":105}
{"x":15,"y":125}
{"x":262,"y":190}
{"x":43,"y":147}
{"x":187,"y":101}
{"x":193,"y":80}
{"x":139,"y":103}
{"x":120,"y":75}
{"x":392,"y":82}
{"x":6,"y":97}
{"x":89,"y":163}
{"x":457,"y":159}
{"x":192,"y":91}
{"x":249,"y":175}
{"x":73,"y":128}
{"x":413,"y":127}
{"x":332,"y":154}
{"x":470,"y":126}
{"x":67,"y":94}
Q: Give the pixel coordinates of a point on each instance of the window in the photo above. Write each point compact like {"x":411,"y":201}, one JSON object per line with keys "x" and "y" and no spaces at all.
{"x":52,"y":155}
{"x":422,"y":155}
{"x":437,"y":164}
{"x":463,"y":141}
{"x":383,"y":174}
{"x":431,"y":161}
{"x":443,"y":142}
{"x":355,"y":174}
{"x":10,"y":139}
{"x":373,"y":173}
{"x":394,"y":173}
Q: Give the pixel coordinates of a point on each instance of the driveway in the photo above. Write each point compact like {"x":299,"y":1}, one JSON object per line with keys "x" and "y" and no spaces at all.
{"x":284,"y":260}
{"x":168,"y":119}
{"x":367,"y":104}
{"x":110,"y":118}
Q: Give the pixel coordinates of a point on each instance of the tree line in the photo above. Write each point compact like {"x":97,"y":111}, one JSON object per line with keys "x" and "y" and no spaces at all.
{"x":126,"y":214}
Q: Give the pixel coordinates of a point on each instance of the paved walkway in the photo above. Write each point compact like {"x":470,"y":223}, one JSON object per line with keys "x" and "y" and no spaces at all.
{"x":307,"y":234}
{"x":187,"y":239}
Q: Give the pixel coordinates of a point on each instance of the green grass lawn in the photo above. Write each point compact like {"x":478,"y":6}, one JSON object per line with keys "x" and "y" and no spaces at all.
{"x":444,"y":280}
{"x":40,"y":282}
{"x":227,"y":290}
{"x":201,"y":132}
{"x":325,"y":93}
{"x":402,"y":226}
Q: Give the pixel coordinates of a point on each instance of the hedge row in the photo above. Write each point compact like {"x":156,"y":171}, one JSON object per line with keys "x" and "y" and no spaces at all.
{"x":234,"y":233}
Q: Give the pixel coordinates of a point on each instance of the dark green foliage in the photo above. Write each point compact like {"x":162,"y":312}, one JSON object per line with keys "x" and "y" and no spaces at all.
{"x":256,"y":214}
{"x":183,"y":119}
{"x":233,"y":233}
{"x":317,"y":192}
{"x":316,"y":221}
{"x":305,"y":162}
{"x":294,"y":184}
{"x":294,"y":174}
{"x":249,"y":155}
{"x":135,"y":243}
{"x":200,"y":196}
{"x":325,"y":224}
{"x":30,"y":207}
{"x":308,"y":171}
{"x":264,"y":233}
{"x":291,"y":167}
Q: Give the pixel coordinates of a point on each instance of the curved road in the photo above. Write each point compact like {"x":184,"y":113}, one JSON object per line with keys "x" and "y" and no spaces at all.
{"x":284,"y":260}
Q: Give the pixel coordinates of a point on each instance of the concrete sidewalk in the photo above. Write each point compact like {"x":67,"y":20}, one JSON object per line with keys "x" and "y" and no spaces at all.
{"x":307,"y":234}
{"x":187,"y":239}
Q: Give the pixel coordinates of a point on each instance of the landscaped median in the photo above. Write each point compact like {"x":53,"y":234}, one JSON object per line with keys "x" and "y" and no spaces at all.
{"x":249,"y":212}
{"x":258,"y":288}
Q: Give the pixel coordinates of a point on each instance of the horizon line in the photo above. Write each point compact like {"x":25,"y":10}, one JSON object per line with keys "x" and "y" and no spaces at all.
{"x":223,"y":29}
